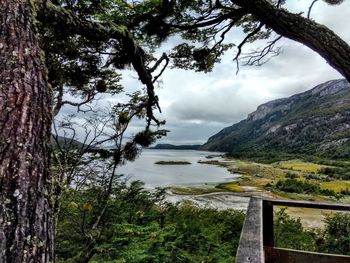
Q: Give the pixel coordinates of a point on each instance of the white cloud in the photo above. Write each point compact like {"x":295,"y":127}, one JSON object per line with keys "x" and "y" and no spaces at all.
{"x":198,"y":105}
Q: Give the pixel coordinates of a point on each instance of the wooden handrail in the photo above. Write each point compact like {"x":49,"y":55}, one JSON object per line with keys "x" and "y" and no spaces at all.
{"x":285,"y":255}
{"x":251,"y":249}
{"x":307,"y":204}
{"x":256,"y":244}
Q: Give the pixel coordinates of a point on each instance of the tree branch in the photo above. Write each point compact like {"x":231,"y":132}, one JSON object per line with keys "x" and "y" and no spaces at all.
{"x":90,"y":96}
{"x":310,"y":8}
{"x":156,"y":65}
{"x":233,"y":14}
{"x":58,"y":16}
{"x":255,"y":57}
{"x":293,"y":26}
{"x":244,"y":41}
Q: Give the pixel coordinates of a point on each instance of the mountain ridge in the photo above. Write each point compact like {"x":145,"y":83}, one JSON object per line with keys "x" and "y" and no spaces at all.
{"x":314,"y":122}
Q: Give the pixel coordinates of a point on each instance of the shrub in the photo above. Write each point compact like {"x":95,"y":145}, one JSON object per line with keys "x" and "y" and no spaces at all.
{"x":291,"y":175}
{"x":336,"y":237}
{"x":289,"y":233}
{"x":303,"y":187}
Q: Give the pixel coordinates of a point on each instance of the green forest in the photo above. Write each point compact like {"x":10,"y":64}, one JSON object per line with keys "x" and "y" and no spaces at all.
{"x":138,"y":226}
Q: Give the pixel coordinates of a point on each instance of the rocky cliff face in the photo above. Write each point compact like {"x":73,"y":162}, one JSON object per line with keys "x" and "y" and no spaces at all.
{"x":313,"y":122}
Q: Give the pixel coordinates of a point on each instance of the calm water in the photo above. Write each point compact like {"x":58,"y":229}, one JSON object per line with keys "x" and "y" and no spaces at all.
{"x":145,"y":169}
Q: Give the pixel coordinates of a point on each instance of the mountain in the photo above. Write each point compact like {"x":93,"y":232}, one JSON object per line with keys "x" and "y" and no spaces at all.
{"x":315,"y":122}
{"x":65,"y":142}
{"x":176,"y":147}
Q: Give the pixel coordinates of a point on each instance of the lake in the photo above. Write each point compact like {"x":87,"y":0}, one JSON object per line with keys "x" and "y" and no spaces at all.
{"x":154,"y":175}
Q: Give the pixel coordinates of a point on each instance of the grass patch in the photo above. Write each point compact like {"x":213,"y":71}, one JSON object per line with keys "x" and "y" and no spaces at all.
{"x":336,"y":186}
{"x":307,"y":176}
{"x":259,"y":183}
{"x":215,"y":162}
{"x":305,"y":197}
{"x":241,"y":163}
{"x":297,"y":165}
{"x":310,"y":218}
{"x":257,"y":171}
{"x":172,"y":163}
{"x":232,"y":187}
{"x":195,"y":190}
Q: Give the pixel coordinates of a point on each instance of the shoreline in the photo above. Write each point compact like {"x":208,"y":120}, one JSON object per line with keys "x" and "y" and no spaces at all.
{"x":310,"y":218}
{"x":217,"y":200}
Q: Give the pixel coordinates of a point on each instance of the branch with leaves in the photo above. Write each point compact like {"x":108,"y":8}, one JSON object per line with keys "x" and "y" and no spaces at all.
{"x":124,"y":43}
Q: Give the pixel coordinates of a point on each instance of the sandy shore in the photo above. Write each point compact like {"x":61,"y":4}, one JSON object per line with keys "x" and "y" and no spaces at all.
{"x":310,"y":218}
{"x":213,"y":200}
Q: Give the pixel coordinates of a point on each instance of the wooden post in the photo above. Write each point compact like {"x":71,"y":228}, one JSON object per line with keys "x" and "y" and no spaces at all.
{"x":250,"y":249}
{"x":256,"y":244}
{"x":268,"y":233}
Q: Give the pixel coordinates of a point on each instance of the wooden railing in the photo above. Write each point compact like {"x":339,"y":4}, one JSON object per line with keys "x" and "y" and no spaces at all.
{"x":257,"y":245}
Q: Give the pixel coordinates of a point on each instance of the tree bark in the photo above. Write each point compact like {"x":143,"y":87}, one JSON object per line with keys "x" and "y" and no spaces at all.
{"x":26,"y":230}
{"x":303,"y":30}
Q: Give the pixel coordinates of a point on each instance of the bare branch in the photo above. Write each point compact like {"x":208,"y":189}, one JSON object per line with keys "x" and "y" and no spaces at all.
{"x":257,"y":57}
{"x":244,"y":41}
{"x":90,"y":96}
{"x":303,"y":30}
{"x":225,"y":29}
{"x":310,"y":8}
{"x":160,"y":60}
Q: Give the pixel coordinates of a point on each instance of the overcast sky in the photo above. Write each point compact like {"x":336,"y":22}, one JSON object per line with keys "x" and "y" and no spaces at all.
{"x":197,"y":105}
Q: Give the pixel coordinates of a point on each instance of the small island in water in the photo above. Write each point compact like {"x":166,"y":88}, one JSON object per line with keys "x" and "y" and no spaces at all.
{"x":172,"y":162}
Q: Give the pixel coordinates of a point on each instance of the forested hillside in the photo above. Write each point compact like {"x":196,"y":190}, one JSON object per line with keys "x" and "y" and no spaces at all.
{"x":315,"y":122}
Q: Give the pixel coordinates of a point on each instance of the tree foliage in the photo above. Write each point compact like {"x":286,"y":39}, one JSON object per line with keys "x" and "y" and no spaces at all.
{"x":337,"y":235}
{"x":140,"y":227}
{"x":333,"y":238}
{"x":289,"y":233}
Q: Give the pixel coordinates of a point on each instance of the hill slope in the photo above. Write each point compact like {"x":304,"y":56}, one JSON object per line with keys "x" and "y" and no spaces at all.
{"x":315,"y":122}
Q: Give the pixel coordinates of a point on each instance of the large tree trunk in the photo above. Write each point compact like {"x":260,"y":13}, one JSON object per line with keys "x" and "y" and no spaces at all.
{"x":313,"y":35}
{"x":26,"y":231}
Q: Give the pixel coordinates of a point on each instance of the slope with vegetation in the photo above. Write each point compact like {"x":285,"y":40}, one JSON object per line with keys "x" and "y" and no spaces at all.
{"x":315,"y":122}
{"x":139,"y":227}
